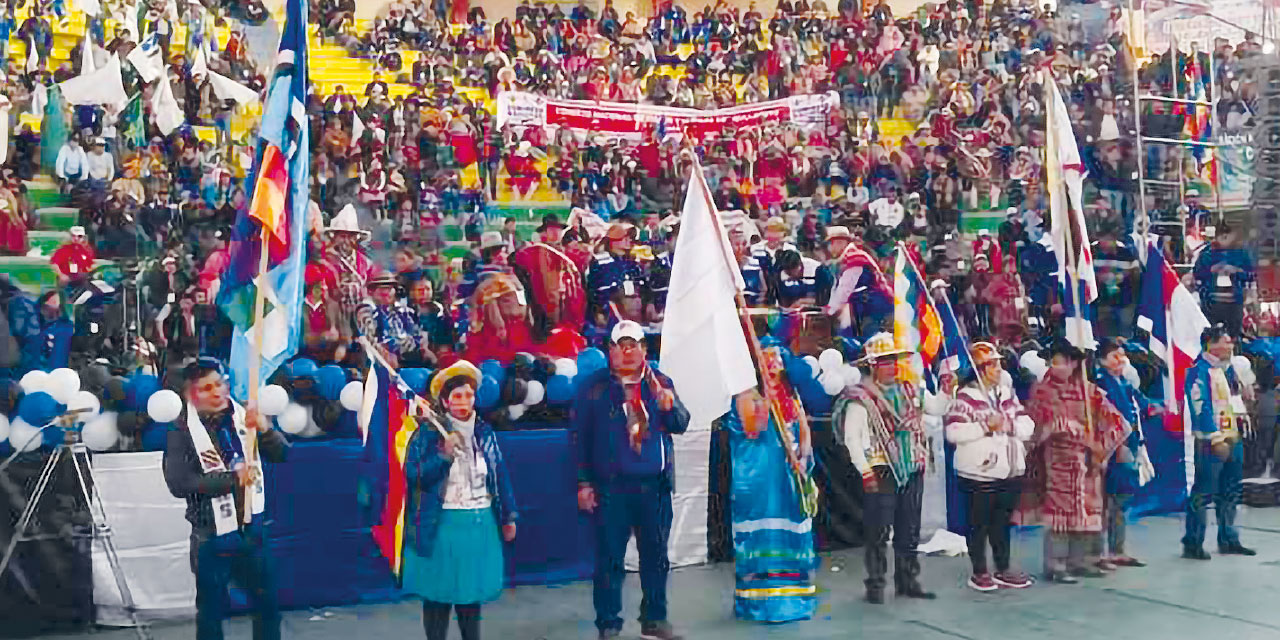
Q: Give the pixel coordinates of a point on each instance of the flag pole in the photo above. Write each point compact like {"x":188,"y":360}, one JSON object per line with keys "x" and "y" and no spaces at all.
{"x":805,"y":490}
{"x":1054,"y":168}
{"x":255,"y":358}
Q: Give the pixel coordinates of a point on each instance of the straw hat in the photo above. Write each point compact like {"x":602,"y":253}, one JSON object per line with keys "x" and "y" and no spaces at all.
{"x":461,"y":368}
{"x":491,"y":239}
{"x":882,"y":345}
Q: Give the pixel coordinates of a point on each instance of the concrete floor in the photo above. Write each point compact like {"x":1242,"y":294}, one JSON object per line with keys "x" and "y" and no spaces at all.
{"x":1227,"y":598}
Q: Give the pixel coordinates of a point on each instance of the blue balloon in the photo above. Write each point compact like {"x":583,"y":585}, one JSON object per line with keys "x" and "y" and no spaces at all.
{"x":590,"y":361}
{"x":559,"y":389}
{"x":331,"y":379}
{"x":303,"y":368}
{"x":488,"y":393}
{"x":416,"y":379}
{"x":798,"y":371}
{"x":494,"y":369}
{"x":156,"y":436}
{"x":38,"y":408}
{"x":139,"y":389}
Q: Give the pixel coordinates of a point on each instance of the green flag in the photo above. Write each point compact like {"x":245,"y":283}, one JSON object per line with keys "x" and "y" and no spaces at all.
{"x":133,"y":123}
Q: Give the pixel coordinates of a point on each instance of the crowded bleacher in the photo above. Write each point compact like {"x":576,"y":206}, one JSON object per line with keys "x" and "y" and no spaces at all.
{"x":424,"y":200}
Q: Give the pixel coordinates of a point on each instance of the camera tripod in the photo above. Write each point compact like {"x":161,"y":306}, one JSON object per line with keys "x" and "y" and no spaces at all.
{"x":77,"y":453}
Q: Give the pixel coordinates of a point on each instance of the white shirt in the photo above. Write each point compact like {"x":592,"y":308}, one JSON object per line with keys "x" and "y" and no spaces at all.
{"x":1108,"y":129}
{"x":71,"y":161}
{"x":466,"y":488}
{"x":887,"y":214}
{"x":101,"y":166}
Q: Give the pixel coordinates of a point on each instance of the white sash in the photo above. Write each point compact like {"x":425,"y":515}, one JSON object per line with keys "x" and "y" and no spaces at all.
{"x":224,"y":506}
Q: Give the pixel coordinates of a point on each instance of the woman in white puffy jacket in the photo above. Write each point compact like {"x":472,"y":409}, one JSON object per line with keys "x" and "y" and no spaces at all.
{"x":988,"y":426}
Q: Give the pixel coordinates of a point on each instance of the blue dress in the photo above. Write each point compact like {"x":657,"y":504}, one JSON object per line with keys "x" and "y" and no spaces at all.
{"x":774,"y":561}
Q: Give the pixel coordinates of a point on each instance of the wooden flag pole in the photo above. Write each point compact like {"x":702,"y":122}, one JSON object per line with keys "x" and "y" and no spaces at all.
{"x":806,"y":490}
{"x":255,"y":359}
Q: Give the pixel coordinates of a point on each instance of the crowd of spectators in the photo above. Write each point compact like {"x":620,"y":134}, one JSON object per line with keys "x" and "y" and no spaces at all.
{"x":409,"y":168}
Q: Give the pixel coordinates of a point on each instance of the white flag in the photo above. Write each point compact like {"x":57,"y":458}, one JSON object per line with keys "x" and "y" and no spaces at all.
{"x":102,"y":87}
{"x":227,"y":89}
{"x":165,"y":108}
{"x":87,"y":65}
{"x":1065,"y":185}
{"x":147,"y":59}
{"x":704,"y":349}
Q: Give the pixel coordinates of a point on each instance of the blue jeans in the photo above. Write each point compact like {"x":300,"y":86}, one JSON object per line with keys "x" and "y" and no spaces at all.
{"x":644,"y":506}
{"x":1219,"y":481}
{"x":244,"y":558}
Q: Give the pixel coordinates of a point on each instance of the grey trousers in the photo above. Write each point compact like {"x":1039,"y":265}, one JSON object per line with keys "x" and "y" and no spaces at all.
{"x":1071,"y":551}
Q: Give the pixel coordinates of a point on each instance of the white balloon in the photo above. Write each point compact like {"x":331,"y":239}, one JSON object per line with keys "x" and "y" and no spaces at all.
{"x":164,"y":406}
{"x":272,"y":400}
{"x":852,"y":375}
{"x":830,"y":360}
{"x":4,"y":427}
{"x":293,"y":419}
{"x":86,"y":403}
{"x":566,"y":367}
{"x":101,"y":432}
{"x":23,"y":436}
{"x":832,"y":383}
{"x":813,"y":365}
{"x":33,"y":381}
{"x":516,"y":411}
{"x":352,"y":396}
{"x":63,"y":384}
{"x":536,"y":392}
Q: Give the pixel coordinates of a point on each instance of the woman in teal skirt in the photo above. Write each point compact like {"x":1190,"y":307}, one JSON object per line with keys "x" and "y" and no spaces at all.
{"x":459,"y":492}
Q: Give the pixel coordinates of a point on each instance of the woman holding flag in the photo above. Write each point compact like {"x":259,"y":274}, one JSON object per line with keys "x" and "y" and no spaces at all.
{"x":460,"y":500}
{"x":774,"y":559}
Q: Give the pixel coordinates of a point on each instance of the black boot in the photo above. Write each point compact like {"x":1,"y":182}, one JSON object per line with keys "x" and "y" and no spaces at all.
{"x":875,"y":596}
{"x":1236,"y":549}
{"x":1195,"y":553}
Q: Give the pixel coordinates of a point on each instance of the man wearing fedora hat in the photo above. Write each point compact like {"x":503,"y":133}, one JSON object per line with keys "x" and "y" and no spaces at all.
{"x":884,"y":432}
{"x":551,"y":229}
{"x":613,"y":271}
{"x":389,"y":328}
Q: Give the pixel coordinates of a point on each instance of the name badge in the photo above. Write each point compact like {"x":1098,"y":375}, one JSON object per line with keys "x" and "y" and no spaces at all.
{"x":75,"y":268}
{"x":1019,"y":304}
{"x":628,"y":288}
{"x":520,"y":296}
{"x":1224,"y":280}
{"x":172,"y":297}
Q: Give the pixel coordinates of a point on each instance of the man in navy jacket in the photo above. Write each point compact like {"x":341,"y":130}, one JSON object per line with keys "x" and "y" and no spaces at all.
{"x":623,"y":418}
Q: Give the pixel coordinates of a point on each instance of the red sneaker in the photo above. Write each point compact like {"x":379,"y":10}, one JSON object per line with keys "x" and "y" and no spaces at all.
{"x":1013,"y":580}
{"x":982,"y":582}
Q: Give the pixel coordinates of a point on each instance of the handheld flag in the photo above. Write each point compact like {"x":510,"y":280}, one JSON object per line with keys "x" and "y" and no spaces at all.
{"x":1065,"y":184}
{"x":916,"y":324}
{"x":704,"y":350}
{"x":388,"y":427}
{"x":279,"y":205}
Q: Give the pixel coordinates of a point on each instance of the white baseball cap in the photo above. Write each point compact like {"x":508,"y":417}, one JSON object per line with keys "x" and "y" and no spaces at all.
{"x":627,"y":329}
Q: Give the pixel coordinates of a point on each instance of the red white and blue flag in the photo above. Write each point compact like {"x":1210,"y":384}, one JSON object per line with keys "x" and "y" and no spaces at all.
{"x":1172,"y":315}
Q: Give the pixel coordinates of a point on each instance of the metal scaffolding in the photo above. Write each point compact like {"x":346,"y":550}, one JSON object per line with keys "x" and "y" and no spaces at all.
{"x":1156,"y":186}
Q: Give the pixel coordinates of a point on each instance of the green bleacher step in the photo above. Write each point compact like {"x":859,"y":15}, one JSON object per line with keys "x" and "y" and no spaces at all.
{"x":57,"y":218}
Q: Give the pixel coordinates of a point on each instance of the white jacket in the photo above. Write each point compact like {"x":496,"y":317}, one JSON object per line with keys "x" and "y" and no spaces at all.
{"x":981,"y":455}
